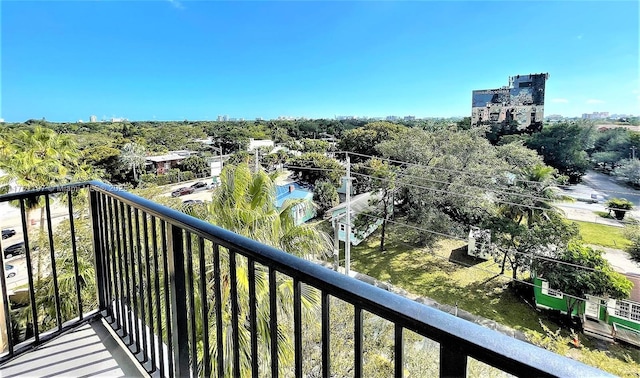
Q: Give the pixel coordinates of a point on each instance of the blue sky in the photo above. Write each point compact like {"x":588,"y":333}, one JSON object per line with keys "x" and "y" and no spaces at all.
{"x":175,"y":60}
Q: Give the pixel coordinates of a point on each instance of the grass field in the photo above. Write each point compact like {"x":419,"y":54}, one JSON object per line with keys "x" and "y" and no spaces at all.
{"x":600,"y":234}
{"x":429,"y":272}
{"x":446,"y":274}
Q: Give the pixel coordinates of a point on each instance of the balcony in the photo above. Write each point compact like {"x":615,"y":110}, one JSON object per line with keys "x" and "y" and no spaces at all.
{"x":132,"y":287}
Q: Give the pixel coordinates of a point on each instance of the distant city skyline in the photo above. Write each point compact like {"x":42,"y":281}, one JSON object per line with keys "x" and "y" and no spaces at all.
{"x":195,"y":60}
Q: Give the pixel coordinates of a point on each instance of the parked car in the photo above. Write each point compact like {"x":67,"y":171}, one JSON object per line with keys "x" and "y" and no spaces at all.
{"x":7,"y":233}
{"x":14,"y":250}
{"x":191,"y":202}
{"x":10,"y":270}
{"x":182,"y":191}
{"x":200,"y":186}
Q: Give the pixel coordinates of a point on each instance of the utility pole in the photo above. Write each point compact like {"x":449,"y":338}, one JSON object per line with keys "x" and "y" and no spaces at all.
{"x":347,"y":242}
{"x":633,"y":152}
{"x":336,"y":244}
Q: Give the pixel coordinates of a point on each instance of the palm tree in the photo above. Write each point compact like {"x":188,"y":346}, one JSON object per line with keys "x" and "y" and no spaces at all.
{"x":39,"y":158}
{"x":245,"y":204}
{"x":133,"y":156}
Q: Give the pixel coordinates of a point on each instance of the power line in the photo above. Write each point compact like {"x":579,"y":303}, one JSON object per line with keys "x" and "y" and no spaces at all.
{"x":511,"y":279}
{"x":426,"y":188}
{"x":469,"y":186}
{"x":460,"y":171}
{"x":457,"y":194}
{"x":464,"y":239}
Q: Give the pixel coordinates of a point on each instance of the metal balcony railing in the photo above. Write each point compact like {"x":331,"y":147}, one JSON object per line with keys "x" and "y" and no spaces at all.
{"x":189,"y":298}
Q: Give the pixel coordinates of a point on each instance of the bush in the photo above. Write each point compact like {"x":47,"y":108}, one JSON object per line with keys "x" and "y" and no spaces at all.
{"x":619,"y":206}
{"x":173,"y":176}
{"x":632,"y":232}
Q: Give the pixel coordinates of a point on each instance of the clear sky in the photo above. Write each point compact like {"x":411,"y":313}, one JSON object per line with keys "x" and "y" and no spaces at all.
{"x":175,"y":60}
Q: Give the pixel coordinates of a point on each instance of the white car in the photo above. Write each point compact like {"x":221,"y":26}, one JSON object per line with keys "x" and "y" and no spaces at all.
{"x":10,"y":271}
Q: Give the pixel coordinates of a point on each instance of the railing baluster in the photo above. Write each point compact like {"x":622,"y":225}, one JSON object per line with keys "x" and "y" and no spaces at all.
{"x":98,"y":250}
{"x":5,"y":307}
{"x":106,"y":251}
{"x":177,"y":293}
{"x":148,"y":284}
{"x":133,"y":315}
{"x":453,"y":361}
{"x":127,"y":279}
{"x":117,"y":264}
{"x":233,"y":284}
{"x":204,"y":304}
{"x":191,"y":310}
{"x":398,"y":351}
{"x":74,"y":252}
{"x":158,"y":304}
{"x":273,"y":321}
{"x":32,"y":292}
{"x":297,"y":326}
{"x":326,"y":336}
{"x":217,"y":279}
{"x":141,"y":289}
{"x":357,"y":342}
{"x":121,"y":274}
{"x":167,"y":308}
{"x":252,"y":317}
{"x":54,"y":272}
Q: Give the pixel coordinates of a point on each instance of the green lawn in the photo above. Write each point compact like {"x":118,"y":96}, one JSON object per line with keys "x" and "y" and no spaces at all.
{"x":477,"y":289}
{"x":600,"y":234}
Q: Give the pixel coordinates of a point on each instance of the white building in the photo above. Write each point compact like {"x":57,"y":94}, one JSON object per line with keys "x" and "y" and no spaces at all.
{"x":254,"y":144}
{"x":93,"y":119}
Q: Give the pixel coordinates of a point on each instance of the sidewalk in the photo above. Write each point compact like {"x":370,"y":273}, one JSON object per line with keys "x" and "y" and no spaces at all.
{"x":585,"y":215}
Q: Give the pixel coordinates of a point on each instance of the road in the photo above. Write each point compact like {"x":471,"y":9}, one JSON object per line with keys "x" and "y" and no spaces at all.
{"x":611,"y":187}
{"x":603,"y":187}
{"x":600,"y":187}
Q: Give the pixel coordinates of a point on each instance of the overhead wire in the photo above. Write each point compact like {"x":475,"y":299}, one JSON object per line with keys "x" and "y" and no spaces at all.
{"x":511,"y":279}
{"x":458,"y":171}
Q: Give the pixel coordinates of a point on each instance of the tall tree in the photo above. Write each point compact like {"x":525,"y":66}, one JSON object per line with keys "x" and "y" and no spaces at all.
{"x":444,"y":186}
{"x":364,"y":140}
{"x":379,"y":177}
{"x":245,"y":204}
{"x":564,"y":146}
{"x":312,"y":167}
{"x":37,"y":158}
{"x":133,"y":156}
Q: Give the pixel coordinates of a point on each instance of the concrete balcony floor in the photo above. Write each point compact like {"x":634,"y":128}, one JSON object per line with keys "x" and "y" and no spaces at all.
{"x":87,"y":351}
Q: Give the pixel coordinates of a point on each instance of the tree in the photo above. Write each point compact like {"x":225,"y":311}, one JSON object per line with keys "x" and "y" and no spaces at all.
{"x":313,"y":167}
{"x":38,"y":158}
{"x":445,"y":185}
{"x":381,"y":180}
{"x":363,"y":140}
{"x":133,"y":156}
{"x":592,"y":276}
{"x":196,"y":164}
{"x":563,"y":147}
{"x":325,"y":196}
{"x":525,"y":222}
{"x":630,"y":169}
{"x":245,"y":204}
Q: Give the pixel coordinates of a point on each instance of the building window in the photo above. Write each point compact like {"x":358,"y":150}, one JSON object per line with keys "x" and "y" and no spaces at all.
{"x":622,"y":309}
{"x":550,"y":292}
{"x":342,"y":227}
{"x":628,"y":310}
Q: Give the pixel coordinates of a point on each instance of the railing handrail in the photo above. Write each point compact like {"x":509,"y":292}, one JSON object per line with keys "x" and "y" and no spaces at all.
{"x":506,"y":353}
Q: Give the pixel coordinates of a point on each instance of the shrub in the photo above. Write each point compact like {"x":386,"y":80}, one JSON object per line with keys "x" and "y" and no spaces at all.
{"x":619,"y":206}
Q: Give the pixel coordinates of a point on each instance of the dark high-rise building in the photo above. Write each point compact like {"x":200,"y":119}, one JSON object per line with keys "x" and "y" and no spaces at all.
{"x":513,"y":109}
